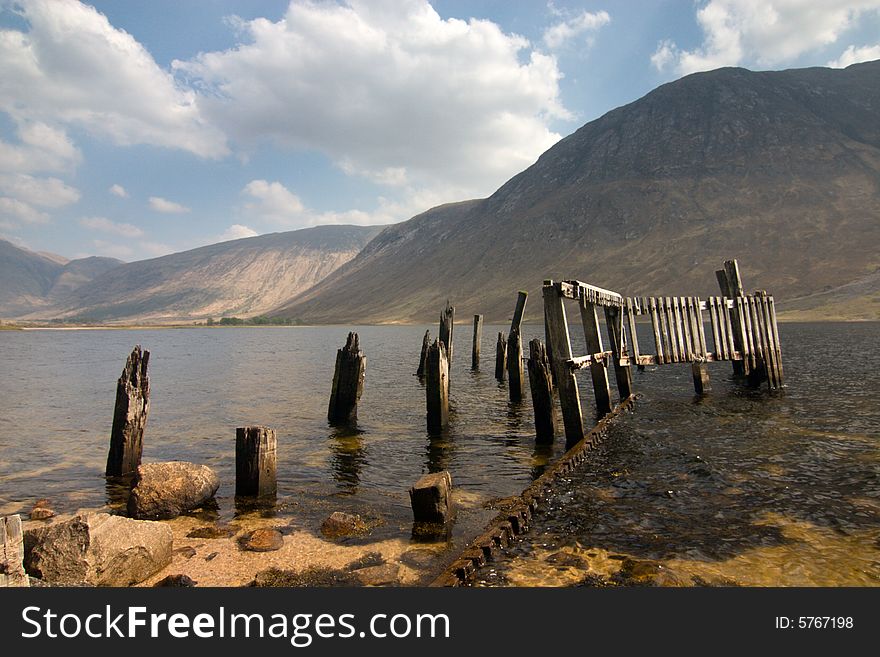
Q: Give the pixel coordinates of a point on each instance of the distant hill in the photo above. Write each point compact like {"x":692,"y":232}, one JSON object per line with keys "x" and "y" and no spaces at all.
{"x":32,"y":281}
{"x":242,"y":277}
{"x":778,"y":169}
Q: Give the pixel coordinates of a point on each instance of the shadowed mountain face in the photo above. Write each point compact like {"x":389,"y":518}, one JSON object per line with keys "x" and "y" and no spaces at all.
{"x":778,"y":169}
{"x":34,"y":280}
{"x":241,"y":277}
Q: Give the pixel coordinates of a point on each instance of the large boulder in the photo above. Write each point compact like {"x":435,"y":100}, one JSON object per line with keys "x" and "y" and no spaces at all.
{"x":165,"y":490}
{"x":97,"y":549}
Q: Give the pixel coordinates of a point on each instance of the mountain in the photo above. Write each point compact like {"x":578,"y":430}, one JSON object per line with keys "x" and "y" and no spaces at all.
{"x":240,"y":277}
{"x":38,"y":280}
{"x":780,"y":169}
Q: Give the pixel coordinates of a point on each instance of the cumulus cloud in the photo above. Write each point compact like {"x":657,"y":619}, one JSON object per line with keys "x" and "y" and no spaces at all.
{"x":165,"y":206}
{"x":41,"y":147}
{"x":105,"y":225}
{"x":853,"y":55}
{"x":761,"y":32}
{"x":12,"y":210}
{"x":585,"y":23}
{"x":118,"y":190}
{"x":236,"y":232}
{"x":387,"y":90}
{"x":71,"y":66}
{"x":43,"y":192}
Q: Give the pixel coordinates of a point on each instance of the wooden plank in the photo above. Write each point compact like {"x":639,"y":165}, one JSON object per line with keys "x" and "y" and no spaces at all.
{"x":348,"y":382}
{"x":684,"y":312}
{"x":732,"y":290}
{"x":767,"y":337}
{"x":598,"y":369}
{"x":742,"y":309}
{"x":655,"y":326}
{"x":477,"y":343}
{"x":665,"y":332}
{"x":129,"y":415}
{"x":566,"y":383}
{"x":12,"y":571}
{"x":674,"y":344}
{"x":712,"y":306}
{"x":622,"y":373}
{"x":631,"y":323}
{"x":777,"y":342}
{"x":701,"y":328}
{"x":541,"y":388}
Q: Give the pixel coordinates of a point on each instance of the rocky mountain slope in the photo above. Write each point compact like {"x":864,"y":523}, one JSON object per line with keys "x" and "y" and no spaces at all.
{"x":778,"y":169}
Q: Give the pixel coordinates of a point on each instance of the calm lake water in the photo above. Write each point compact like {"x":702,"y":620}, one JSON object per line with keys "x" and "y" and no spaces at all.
{"x":739,"y":487}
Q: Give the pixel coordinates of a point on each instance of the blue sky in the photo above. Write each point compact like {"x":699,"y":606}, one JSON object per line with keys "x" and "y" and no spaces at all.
{"x":134,"y":129}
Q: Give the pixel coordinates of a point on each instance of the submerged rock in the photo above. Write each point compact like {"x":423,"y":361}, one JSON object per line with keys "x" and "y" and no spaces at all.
{"x":165,"y":490}
{"x":212,"y":532}
{"x":341,"y":524}
{"x":383,"y":575}
{"x":263,"y":540}
{"x":98,"y":549}
{"x":310,"y":577}
{"x":42,"y":510}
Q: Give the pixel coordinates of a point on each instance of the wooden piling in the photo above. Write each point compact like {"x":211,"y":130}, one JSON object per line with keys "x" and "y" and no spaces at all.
{"x":542,"y":392}
{"x":566,"y":383}
{"x":426,"y":341}
{"x":778,"y":345}
{"x":514,"y":365}
{"x":622,"y":373}
{"x":634,"y":351}
{"x":348,"y":382}
{"x":700,"y":373}
{"x":437,"y":387}
{"x":255,"y":462}
{"x":12,"y":573}
{"x":447,"y":324}
{"x":501,"y":357}
{"x":730,"y":282}
{"x":598,"y":367}
{"x":478,"y":338}
{"x":655,"y":326}
{"x":129,"y":415}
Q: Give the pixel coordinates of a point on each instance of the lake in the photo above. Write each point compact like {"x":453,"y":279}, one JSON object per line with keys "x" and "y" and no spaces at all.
{"x":680,"y":480}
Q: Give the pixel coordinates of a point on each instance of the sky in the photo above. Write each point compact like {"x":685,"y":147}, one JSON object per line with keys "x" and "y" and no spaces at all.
{"x":139,"y":128}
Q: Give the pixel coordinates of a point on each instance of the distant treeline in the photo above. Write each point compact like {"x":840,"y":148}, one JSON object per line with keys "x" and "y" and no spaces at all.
{"x":259,"y":320}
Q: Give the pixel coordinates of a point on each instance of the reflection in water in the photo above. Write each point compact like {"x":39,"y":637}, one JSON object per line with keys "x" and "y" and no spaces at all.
{"x":541,"y":458}
{"x":348,"y":457}
{"x":439,"y":451}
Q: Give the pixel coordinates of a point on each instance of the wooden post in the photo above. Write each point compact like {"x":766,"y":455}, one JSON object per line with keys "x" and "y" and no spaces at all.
{"x":634,"y":351}
{"x":12,"y":571}
{"x":447,"y":324}
{"x":598,"y":367}
{"x":500,"y":357}
{"x":478,"y":338}
{"x":255,"y":462}
{"x":129,"y":415}
{"x":515,"y":365}
{"x":700,"y":372}
{"x":542,"y":392}
{"x":622,"y":373}
{"x":775,"y":327}
{"x":425,"y":342}
{"x":655,"y":326}
{"x":730,"y":282}
{"x":348,"y":382}
{"x":557,"y":325}
{"x":437,"y":387}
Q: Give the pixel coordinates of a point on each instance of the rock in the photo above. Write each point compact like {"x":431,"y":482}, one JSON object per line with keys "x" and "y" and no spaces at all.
{"x":378,"y":575}
{"x":420,"y":558}
{"x":431,"y":498}
{"x":42,"y":510}
{"x":343,"y":524}
{"x":369,"y":559}
{"x":176,"y":581}
{"x":187,"y":551}
{"x":211,"y":532}
{"x":98,"y":549}
{"x":211,"y":556}
{"x":165,"y":490}
{"x":312,"y":576}
{"x":263,"y":540}
{"x":636,"y":572}
{"x":569,"y":560}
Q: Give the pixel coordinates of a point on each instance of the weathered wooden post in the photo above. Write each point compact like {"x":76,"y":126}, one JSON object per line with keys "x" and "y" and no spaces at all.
{"x":541,"y":387}
{"x":514,"y":349}
{"x":426,"y":341}
{"x":701,"y":376}
{"x":730,"y":283}
{"x":500,"y":357}
{"x":437,"y":387}
{"x":431,"y":498}
{"x":598,"y":366}
{"x":447,"y":324}
{"x":129,"y":415}
{"x":478,"y":338}
{"x":557,"y":329}
{"x":348,"y":382}
{"x":12,"y":571}
{"x":255,"y":462}
{"x":622,"y":373}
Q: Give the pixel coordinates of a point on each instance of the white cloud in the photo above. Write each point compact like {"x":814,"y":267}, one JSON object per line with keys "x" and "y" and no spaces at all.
{"x":118,"y":190}
{"x":165,"y":206}
{"x":235,"y":232}
{"x":853,"y":55}
{"x":387,"y":90}
{"x":587,"y":23}
{"x":11,"y":209}
{"x":109,"y":249}
{"x":105,"y":225}
{"x":41,"y":148}
{"x":154,"y":249}
{"x":762,"y":32}
{"x":71,"y":66}
{"x":129,"y":252}
{"x":43,"y":192}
